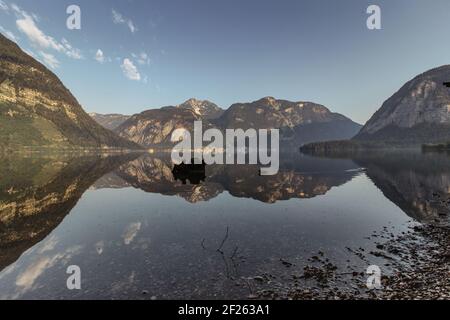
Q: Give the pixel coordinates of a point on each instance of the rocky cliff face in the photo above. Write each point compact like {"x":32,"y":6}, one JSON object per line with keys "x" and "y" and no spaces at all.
{"x":298,"y":121}
{"x":301,"y":122}
{"x":202,"y":108}
{"x":418,"y":113}
{"x":109,"y":121}
{"x":154,"y":127}
{"x":37,"y":110}
{"x":271,"y":113}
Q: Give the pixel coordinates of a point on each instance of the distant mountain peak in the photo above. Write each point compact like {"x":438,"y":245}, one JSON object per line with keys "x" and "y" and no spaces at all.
{"x":268,"y":99}
{"x":203,"y":108}
{"x":194,"y":101}
{"x":109,"y":121}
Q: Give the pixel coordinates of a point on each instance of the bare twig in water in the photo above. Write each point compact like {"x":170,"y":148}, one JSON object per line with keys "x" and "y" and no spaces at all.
{"x":248,"y":285}
{"x":232,"y":257}
{"x":203,"y":244}
{"x":223,"y":241}
{"x":226,"y":258}
{"x":227,"y":268}
{"x":234,"y":253}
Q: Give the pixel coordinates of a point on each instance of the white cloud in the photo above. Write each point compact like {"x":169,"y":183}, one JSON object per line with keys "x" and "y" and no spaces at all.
{"x":49,"y":60}
{"x":8,"y":34}
{"x":70,"y":51}
{"x":99,"y":56}
{"x":16,"y":8}
{"x":131,"y":232}
{"x":3,"y":6}
{"x":26,"y":280}
{"x":99,"y":247}
{"x":35,"y":17}
{"x":142,"y":58}
{"x":130,"y":71}
{"x":49,"y":244}
{"x":118,"y":18}
{"x":26,"y":24}
{"x":132,"y":27}
{"x":34,"y":271}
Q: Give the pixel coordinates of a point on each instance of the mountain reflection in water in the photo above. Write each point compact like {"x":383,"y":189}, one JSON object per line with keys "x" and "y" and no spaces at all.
{"x":302,"y":177}
{"x":37,"y":194}
{"x":418,"y":183}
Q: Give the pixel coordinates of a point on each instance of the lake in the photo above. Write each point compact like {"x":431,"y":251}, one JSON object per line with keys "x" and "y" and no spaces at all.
{"x":138,"y":232}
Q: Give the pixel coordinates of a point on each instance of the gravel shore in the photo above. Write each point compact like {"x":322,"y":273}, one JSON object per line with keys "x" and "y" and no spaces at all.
{"x":419,"y":261}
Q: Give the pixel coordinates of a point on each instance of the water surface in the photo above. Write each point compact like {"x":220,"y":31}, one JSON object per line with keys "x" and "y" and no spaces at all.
{"x":137,"y":232}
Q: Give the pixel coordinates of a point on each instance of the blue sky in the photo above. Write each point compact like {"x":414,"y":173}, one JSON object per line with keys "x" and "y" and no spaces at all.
{"x":157,"y":53}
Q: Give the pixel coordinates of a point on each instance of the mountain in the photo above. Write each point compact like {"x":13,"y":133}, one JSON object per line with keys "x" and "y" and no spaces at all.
{"x":109,"y":121}
{"x":37,"y":110}
{"x":154,"y":127}
{"x":301,"y":122}
{"x":202,"y":108}
{"x":418,"y":113}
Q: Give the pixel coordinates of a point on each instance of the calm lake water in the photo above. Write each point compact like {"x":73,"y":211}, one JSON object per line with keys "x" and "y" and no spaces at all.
{"x":138,"y":233}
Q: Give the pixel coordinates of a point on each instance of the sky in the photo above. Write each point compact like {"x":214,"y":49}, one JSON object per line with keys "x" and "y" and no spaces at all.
{"x":134,"y":55}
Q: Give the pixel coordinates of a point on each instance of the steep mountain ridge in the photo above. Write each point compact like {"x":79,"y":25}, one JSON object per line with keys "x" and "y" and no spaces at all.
{"x":418,"y":113}
{"x":36,"y":109}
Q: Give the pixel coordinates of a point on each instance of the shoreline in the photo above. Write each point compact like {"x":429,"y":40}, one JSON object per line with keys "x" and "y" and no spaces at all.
{"x":420,"y":259}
